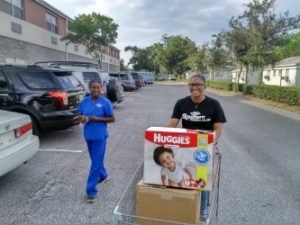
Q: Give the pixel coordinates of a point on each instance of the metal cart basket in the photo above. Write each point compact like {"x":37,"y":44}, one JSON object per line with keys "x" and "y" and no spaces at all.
{"x":124,"y":212}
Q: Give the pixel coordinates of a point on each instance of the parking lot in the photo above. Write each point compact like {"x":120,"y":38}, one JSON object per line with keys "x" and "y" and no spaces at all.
{"x":50,"y":188}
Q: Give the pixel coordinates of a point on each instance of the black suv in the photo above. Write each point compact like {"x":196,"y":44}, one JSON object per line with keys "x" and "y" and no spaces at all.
{"x":50,"y":97}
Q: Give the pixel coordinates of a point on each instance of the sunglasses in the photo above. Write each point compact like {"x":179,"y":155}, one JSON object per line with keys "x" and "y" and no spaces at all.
{"x":196,"y":85}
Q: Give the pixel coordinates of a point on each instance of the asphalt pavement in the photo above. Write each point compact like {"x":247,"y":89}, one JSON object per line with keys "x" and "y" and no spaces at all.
{"x":260,"y":178}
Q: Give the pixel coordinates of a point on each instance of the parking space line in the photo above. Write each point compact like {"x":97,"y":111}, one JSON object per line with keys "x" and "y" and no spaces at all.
{"x":59,"y":150}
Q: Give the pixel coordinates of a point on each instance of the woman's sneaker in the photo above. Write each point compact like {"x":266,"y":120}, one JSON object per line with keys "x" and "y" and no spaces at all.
{"x":100,"y":181}
{"x":90,"y":198}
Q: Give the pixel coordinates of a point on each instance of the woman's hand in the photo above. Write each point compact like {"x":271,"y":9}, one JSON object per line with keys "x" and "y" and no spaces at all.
{"x":84,"y":119}
{"x":93,"y":118}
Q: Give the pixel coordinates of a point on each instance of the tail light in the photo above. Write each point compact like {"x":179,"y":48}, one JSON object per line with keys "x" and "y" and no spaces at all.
{"x":23,"y":129}
{"x":60,"y":96}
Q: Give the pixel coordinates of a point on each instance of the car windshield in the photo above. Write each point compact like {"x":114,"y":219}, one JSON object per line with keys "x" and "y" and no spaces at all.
{"x":124,"y":77}
{"x":37,"y":79}
{"x":88,"y":76}
{"x":68,"y":81}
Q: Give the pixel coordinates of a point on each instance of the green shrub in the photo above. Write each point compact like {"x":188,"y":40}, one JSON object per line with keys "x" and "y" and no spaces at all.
{"x":288,"y":95}
{"x":223,"y":85}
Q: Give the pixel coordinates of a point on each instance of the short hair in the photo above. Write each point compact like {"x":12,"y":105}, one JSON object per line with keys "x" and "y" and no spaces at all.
{"x":160,"y":150}
{"x":199,"y":75}
{"x":94,"y":81}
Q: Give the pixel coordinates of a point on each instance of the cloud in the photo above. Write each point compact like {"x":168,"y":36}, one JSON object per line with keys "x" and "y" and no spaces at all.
{"x":143,"y":22}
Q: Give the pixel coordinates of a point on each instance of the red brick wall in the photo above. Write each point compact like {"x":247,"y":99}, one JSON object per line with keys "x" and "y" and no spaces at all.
{"x":36,"y":14}
{"x":61,"y":23}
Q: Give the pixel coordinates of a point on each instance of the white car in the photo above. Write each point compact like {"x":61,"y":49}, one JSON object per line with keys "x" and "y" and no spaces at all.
{"x":172,"y":77}
{"x":17,"y":143}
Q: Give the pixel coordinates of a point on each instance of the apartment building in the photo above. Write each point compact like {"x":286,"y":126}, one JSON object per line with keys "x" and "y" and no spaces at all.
{"x":31,"y":31}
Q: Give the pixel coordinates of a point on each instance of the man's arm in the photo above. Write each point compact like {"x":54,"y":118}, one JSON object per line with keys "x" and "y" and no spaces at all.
{"x":218,"y":129}
{"x":173,"y":122}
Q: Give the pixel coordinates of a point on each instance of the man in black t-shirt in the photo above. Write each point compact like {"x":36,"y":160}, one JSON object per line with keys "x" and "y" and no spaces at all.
{"x":201,"y":112}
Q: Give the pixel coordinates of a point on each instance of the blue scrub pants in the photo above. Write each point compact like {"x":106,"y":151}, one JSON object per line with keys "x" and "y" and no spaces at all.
{"x":97,"y":171}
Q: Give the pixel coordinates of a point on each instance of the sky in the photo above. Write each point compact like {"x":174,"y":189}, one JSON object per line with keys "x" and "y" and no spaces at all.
{"x":143,"y":22}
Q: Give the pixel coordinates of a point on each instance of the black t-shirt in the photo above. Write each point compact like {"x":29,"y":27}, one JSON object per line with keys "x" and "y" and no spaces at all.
{"x":200,"y":116}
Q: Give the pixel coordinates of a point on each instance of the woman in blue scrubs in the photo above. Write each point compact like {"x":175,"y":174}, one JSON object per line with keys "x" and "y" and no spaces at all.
{"x":96,"y":111}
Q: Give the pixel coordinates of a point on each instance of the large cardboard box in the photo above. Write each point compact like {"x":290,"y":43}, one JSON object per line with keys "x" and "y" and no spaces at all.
{"x":162,"y":206}
{"x":179,"y":158}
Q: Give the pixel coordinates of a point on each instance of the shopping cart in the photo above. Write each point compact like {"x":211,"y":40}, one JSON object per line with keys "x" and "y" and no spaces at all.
{"x":124,"y":212}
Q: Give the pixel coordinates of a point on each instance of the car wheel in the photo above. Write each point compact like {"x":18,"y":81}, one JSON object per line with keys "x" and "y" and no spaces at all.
{"x":111,"y":91}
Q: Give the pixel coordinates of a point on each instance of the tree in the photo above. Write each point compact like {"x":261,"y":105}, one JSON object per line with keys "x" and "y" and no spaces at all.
{"x":198,"y":59}
{"x":292,"y":48}
{"x":265,"y":30}
{"x":141,"y":58}
{"x":175,"y":53}
{"x":123,"y":67}
{"x":93,"y":31}
{"x":216,"y":54}
{"x":239,"y":42}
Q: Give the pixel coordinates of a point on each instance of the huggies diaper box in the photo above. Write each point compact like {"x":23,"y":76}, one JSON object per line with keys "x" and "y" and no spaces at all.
{"x":177,"y":157}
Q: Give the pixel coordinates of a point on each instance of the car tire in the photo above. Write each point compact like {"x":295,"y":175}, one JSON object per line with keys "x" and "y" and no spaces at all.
{"x":111,"y":91}
{"x":35,"y":128}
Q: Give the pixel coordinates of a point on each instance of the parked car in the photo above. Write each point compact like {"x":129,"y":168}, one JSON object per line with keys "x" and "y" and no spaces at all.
{"x":85,"y":72}
{"x":18,"y":144}
{"x":172,"y":77}
{"x":148,"y":77}
{"x":138,"y":78}
{"x":49,"y":97}
{"x":126,"y":79}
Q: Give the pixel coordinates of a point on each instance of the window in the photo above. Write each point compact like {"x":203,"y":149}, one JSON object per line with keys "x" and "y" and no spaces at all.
{"x":76,"y":48}
{"x":37,"y":80}
{"x":68,"y":81}
{"x":124,"y":77}
{"x":280,"y":73}
{"x":51,"y":23}
{"x":3,"y":82}
{"x":287,"y":71}
{"x":14,"y":8}
{"x":88,"y":76}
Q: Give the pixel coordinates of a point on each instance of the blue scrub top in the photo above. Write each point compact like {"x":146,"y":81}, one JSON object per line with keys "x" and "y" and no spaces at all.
{"x":102,"y":107}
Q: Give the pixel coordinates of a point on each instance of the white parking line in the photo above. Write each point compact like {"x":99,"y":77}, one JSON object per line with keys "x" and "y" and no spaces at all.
{"x":59,"y":150}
